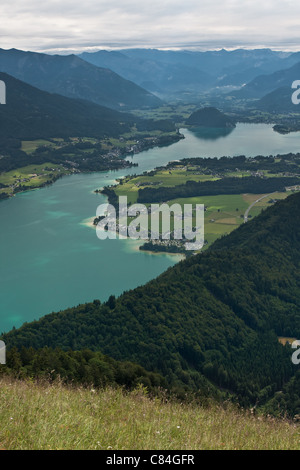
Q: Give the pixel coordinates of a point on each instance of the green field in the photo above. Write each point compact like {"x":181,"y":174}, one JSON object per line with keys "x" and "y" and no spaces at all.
{"x":172,"y":177}
{"x":223,"y":213}
{"x":226,"y":212}
{"x":31,"y":176}
{"x":29,"y":146}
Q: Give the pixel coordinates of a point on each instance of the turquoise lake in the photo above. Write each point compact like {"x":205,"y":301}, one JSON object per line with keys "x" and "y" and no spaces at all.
{"x":51,"y":258}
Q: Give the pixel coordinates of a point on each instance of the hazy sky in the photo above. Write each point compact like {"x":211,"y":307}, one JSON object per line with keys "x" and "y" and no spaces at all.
{"x":73,"y":25}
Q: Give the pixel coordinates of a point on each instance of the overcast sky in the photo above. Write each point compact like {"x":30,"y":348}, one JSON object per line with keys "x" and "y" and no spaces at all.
{"x":73,"y":25}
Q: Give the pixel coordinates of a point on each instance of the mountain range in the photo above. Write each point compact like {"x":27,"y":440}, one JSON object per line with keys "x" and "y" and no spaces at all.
{"x":156,"y":74}
{"x":168,"y":72}
{"x":127,"y":79}
{"x":73,"y":77}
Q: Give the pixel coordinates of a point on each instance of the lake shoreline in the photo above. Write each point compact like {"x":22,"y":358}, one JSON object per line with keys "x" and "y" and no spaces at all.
{"x":160,"y":143}
{"x":89,"y":222}
{"x":60,"y":263}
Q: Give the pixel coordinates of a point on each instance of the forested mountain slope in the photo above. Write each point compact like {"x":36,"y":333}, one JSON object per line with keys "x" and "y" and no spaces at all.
{"x":211,"y":322}
{"x":30,"y":113}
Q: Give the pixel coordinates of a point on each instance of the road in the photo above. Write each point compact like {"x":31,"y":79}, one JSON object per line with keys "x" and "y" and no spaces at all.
{"x":253,"y":204}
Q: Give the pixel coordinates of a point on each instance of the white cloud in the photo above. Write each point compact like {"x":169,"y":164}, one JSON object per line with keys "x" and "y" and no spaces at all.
{"x":73,"y":25}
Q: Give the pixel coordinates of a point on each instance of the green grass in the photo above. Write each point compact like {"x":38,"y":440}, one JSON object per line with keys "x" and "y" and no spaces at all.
{"x":43,"y":417}
{"x":166,"y":178}
{"x":224,"y":213}
{"x":29,"y":146}
{"x":34,"y":175}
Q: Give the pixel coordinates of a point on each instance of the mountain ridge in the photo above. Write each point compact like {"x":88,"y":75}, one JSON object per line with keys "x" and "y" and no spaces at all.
{"x":31,"y":113}
{"x":267,"y":83}
{"x":73,"y":77}
{"x":167,"y":72}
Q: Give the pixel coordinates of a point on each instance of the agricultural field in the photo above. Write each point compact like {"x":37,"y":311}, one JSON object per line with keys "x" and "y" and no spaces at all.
{"x":223,"y":213}
{"x":29,"y":146}
{"x":30,"y":177}
{"x":165,"y":177}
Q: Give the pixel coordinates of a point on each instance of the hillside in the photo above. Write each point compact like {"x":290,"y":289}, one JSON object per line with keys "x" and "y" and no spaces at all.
{"x":264,"y":84}
{"x":73,"y":77}
{"x":210,"y":117}
{"x":278,"y":101}
{"x":209,"y":323}
{"x":51,"y":417}
{"x":32,"y":114}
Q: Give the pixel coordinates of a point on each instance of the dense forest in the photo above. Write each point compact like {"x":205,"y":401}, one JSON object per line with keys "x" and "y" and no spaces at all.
{"x":78,"y":367}
{"x":210,"y":323}
{"x":286,"y":402}
{"x":227,"y":185}
{"x":289,"y":163}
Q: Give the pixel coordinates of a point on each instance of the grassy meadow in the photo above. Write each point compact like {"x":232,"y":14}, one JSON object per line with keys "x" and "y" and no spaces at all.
{"x":51,"y":417}
{"x":223,"y":213}
{"x":31,"y":176}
